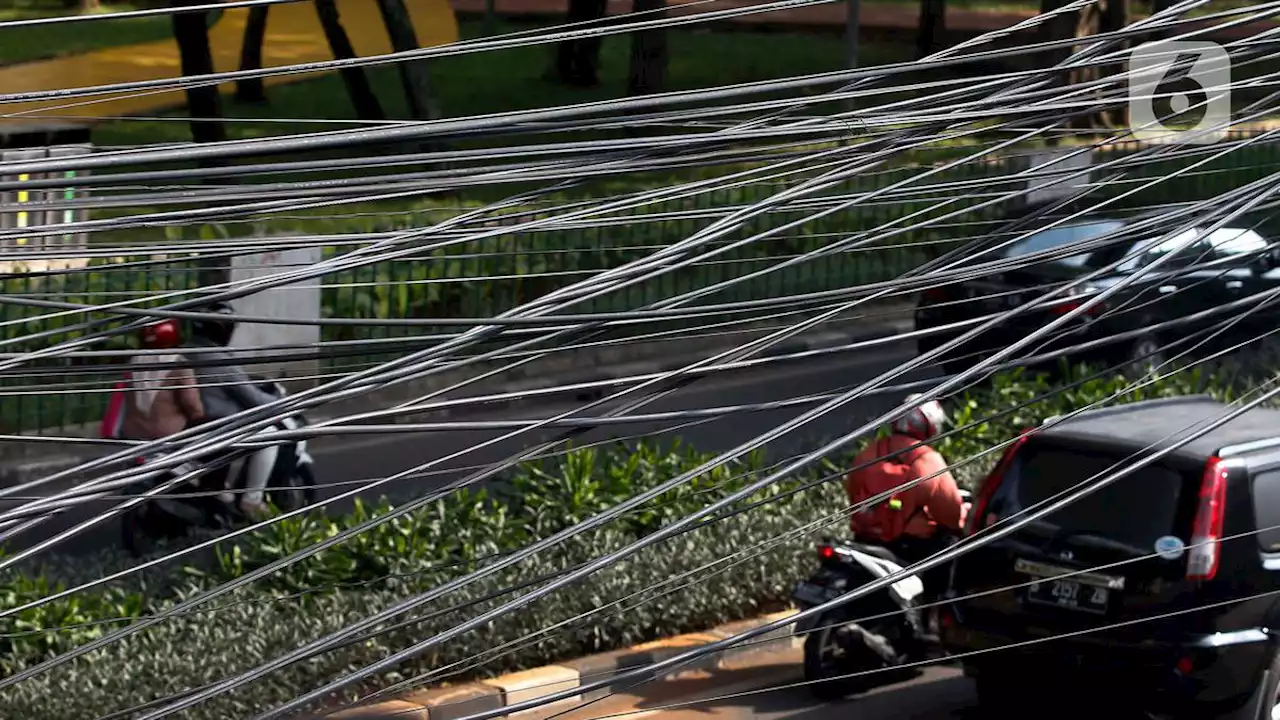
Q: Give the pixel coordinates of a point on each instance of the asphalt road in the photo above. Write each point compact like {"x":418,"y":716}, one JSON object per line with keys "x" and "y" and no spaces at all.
{"x":940,"y":693}
{"x":768,"y":689}
{"x":342,"y":466}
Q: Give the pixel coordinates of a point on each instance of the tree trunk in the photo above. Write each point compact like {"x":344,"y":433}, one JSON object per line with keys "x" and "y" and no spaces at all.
{"x":1100,"y":16}
{"x":191,"y":30}
{"x":358,"y":89}
{"x":88,"y":6}
{"x":932,"y":26}
{"x":415,"y":75}
{"x":1116,"y":15}
{"x":252,"y":90}
{"x":578,"y":60}
{"x":648,"y":72}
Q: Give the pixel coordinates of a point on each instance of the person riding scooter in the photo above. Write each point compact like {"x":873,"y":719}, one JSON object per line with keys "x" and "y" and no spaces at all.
{"x":159,"y":398}
{"x":226,"y":390}
{"x":918,"y":521}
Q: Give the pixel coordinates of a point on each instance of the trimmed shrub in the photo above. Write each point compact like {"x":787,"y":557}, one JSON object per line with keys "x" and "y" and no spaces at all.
{"x":687,"y":583}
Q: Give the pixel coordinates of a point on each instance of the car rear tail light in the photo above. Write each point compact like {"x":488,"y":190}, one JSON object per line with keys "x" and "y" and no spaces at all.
{"x":1202,"y":559}
{"x":826,"y":552}
{"x":1065,"y":307}
{"x":935,"y":295}
{"x":991,"y":484}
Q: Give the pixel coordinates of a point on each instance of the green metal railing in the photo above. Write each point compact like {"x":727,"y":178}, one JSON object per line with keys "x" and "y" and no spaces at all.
{"x":482,"y":278}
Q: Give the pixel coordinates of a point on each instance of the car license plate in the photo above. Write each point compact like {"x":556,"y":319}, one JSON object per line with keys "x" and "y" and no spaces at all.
{"x":1069,"y":594}
{"x":814,"y":594}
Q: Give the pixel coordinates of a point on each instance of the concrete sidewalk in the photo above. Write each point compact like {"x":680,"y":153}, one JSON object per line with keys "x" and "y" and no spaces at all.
{"x":873,"y":16}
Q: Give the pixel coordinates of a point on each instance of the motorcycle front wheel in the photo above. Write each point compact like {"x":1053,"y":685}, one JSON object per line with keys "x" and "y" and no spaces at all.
{"x":147,"y":523}
{"x":300,"y":491}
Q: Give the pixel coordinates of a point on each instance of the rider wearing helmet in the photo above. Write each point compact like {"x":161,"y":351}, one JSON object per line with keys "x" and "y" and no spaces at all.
{"x":160,"y":399}
{"x":227,"y":390}
{"x":912,"y":522}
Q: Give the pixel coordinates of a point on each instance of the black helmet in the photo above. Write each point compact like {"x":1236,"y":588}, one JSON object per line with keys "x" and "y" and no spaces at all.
{"x":215,"y":330}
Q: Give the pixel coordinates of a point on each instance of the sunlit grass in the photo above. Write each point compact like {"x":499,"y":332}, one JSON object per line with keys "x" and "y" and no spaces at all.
{"x":39,"y":42}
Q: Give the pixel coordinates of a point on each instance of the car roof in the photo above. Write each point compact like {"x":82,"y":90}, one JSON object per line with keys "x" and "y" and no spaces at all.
{"x":1161,"y":423}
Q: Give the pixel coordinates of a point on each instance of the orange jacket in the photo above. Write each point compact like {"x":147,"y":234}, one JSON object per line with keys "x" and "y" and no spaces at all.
{"x":939,"y":496}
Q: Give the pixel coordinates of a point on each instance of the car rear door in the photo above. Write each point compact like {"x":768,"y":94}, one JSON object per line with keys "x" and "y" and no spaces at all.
{"x":1004,"y":291}
{"x":1110,"y":534}
{"x":1184,"y":284}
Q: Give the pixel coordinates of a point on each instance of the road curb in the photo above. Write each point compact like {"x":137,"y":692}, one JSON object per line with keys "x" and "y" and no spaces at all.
{"x":453,"y":702}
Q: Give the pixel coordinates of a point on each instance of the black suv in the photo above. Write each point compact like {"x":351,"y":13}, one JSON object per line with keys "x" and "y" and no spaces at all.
{"x":1226,"y":265}
{"x":1183,"y":558}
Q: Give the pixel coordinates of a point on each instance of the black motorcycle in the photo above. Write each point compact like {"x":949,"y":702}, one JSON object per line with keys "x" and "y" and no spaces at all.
{"x":201,"y":501}
{"x":872,"y":641}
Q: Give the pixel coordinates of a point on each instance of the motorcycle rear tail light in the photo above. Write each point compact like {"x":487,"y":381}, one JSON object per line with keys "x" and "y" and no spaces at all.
{"x":991,"y":484}
{"x":826,"y":552}
{"x":1184,"y":666}
{"x":1206,"y":534}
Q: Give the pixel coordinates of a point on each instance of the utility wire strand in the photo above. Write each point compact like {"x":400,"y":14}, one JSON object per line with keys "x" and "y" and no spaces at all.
{"x":659,"y":535}
{"x":982,"y":537}
{"x":338,"y":138}
{"x":1131,"y":387}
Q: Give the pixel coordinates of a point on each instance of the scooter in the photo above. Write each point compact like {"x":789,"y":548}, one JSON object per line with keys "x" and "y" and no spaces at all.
{"x":207,"y":499}
{"x":870,"y":642}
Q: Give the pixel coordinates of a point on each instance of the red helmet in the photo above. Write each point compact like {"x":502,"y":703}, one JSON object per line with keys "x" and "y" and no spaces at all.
{"x":161,"y":335}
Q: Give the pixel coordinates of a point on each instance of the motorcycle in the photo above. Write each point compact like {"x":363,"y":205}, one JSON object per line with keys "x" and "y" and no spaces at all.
{"x":206,"y":500}
{"x":870,"y":642}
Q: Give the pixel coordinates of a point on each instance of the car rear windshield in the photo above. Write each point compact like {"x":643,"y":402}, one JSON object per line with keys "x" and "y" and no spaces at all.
{"x":1135,"y":510}
{"x":1061,"y":236}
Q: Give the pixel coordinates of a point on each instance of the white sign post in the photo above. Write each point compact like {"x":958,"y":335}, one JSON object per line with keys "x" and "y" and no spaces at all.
{"x":296,"y":300}
{"x":20,"y":208}
{"x":1060,"y":165}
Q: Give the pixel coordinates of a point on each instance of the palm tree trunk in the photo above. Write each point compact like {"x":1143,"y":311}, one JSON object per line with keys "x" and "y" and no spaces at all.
{"x":255,"y":33}
{"x":204,"y":104}
{"x":415,"y":74}
{"x":648,"y":72}
{"x":361,"y":93}
{"x":932,"y":26}
{"x":578,"y":60}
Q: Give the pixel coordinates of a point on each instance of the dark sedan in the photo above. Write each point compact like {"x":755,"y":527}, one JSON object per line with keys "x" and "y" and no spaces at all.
{"x":1225,"y":266}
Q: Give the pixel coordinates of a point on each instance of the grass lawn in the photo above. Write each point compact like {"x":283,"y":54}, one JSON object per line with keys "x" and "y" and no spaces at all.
{"x":40,"y":42}
{"x":506,"y":80}
{"x":515,"y":79}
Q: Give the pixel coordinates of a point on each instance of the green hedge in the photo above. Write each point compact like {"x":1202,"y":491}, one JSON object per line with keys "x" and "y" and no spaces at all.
{"x":422,"y":550}
{"x":418,"y":552}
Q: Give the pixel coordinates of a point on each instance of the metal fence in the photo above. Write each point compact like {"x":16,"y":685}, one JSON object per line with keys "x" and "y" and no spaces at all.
{"x":481,"y":278}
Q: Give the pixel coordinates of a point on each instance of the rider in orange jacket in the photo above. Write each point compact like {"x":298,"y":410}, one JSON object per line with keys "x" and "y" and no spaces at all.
{"x":912,"y":521}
